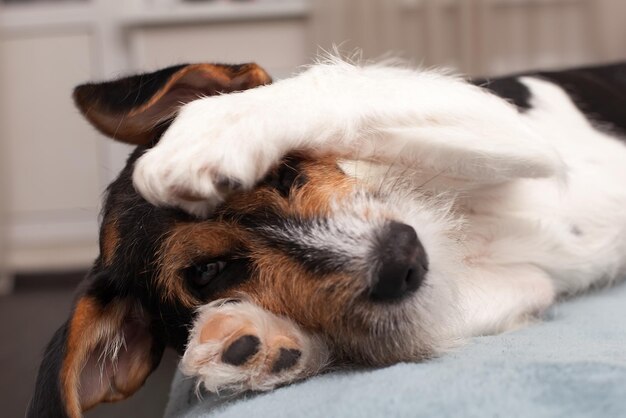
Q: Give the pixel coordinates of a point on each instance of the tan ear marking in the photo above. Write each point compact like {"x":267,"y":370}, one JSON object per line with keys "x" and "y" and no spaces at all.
{"x":80,"y":339}
{"x":109,"y":240}
{"x":96,"y":341}
{"x":137,"y":124}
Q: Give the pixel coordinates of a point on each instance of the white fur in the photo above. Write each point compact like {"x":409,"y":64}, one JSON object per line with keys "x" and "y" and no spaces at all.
{"x":517,"y":208}
{"x":390,"y":115}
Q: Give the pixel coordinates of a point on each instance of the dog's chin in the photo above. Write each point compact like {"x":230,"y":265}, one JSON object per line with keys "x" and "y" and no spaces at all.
{"x":382,"y":334}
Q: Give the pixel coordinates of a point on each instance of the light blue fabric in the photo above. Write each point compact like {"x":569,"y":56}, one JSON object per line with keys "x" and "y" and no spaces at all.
{"x":571,"y":365}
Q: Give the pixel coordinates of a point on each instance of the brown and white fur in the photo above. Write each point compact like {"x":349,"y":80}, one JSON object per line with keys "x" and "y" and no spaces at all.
{"x":361,"y":214}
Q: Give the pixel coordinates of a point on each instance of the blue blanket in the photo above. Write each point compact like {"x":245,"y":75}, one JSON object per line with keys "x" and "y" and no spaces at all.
{"x":571,"y":365}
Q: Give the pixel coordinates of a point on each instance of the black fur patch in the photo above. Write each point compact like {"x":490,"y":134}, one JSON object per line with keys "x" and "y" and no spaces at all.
{"x":287,"y":176}
{"x":128,"y":92}
{"x":274,"y":229}
{"x":599,"y":92}
{"x":47,"y":401}
{"x":508,"y":88}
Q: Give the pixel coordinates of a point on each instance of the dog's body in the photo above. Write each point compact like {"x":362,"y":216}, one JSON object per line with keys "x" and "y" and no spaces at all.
{"x":456,"y":214}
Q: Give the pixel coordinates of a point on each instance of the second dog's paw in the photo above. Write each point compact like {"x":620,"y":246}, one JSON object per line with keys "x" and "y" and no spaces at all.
{"x":213,"y":148}
{"x":239,"y":347}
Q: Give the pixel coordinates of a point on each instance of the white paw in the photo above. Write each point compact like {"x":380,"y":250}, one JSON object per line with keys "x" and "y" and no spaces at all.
{"x":215,"y":146}
{"x":239,"y":346}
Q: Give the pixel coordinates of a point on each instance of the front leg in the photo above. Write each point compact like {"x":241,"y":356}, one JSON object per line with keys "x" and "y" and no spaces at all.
{"x":498,"y":298}
{"x":389,"y":115}
{"x":238,"y":346}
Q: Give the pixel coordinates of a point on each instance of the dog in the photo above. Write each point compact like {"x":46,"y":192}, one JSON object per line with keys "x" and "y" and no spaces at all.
{"x":363,"y":214}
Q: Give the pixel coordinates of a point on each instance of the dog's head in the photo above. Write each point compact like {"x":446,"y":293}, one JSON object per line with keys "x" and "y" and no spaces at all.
{"x":341,"y":258}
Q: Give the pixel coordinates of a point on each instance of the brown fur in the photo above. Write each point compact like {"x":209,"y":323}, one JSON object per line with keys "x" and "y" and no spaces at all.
{"x":109,"y":240}
{"x":185,"y":243}
{"x":90,"y":329}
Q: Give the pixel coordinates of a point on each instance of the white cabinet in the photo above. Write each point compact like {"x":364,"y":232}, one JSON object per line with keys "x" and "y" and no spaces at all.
{"x":50,"y":153}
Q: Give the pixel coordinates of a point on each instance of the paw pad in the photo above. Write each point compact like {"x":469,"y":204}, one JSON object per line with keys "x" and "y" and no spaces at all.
{"x":241,"y":350}
{"x":240,"y":346}
{"x":287,"y":358}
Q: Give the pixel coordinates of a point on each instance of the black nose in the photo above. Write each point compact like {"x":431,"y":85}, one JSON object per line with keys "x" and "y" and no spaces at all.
{"x":403,"y":263}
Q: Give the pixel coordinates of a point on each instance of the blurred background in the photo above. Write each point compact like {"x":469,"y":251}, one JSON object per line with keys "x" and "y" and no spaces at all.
{"x":54,"y":167}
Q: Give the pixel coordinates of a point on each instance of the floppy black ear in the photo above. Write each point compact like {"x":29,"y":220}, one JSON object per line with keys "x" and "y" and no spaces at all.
{"x":103,"y":353}
{"x":131,"y":108}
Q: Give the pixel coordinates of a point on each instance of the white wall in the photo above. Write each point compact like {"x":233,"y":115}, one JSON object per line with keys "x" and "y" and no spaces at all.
{"x":50,"y":153}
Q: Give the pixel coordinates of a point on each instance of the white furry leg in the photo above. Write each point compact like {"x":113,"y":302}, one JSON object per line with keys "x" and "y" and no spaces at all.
{"x":240,"y":346}
{"x":501,"y":298}
{"x":220,"y":144}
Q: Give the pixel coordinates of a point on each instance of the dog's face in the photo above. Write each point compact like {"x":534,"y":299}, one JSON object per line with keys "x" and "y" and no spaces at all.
{"x":339,"y":257}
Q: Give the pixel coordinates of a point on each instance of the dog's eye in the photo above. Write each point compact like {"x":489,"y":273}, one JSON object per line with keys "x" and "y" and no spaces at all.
{"x":200,"y":275}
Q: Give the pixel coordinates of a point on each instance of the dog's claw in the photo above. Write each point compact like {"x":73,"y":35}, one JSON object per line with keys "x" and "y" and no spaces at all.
{"x":226,"y":185}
